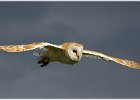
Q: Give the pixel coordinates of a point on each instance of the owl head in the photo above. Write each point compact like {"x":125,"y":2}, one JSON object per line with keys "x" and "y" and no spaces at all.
{"x":74,"y":51}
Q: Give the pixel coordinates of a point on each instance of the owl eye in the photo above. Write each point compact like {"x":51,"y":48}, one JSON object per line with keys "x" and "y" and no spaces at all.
{"x":74,"y":51}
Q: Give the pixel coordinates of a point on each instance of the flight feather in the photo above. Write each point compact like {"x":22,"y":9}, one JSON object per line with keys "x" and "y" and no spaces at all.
{"x":94,"y":54}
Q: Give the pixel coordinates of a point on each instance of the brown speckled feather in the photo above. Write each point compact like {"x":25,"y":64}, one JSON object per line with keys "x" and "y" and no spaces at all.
{"x":67,"y":44}
{"x":26,"y":47}
{"x":127,"y":63}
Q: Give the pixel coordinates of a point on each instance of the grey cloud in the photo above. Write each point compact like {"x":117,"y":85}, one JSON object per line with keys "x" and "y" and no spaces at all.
{"x":111,"y":28}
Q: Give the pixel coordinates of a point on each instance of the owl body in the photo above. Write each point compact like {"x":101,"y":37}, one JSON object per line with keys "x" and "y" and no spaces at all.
{"x":57,"y":55}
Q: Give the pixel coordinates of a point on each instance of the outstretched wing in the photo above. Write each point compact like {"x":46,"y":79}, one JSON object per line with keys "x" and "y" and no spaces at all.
{"x":94,"y":54}
{"x":27,"y":47}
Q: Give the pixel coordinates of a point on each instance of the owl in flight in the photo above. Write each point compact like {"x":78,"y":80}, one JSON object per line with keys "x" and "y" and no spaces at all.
{"x":67,"y":53}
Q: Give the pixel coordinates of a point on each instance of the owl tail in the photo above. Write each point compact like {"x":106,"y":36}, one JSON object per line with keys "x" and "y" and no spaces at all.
{"x":127,"y":63}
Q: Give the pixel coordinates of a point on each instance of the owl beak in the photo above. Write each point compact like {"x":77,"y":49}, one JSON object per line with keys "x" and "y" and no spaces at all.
{"x":78,"y":57}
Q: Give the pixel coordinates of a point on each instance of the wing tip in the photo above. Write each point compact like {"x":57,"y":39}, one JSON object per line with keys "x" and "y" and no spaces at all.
{"x":128,"y":63}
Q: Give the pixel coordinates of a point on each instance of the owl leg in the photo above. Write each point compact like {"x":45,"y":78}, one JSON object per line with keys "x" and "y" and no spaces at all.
{"x":43,"y":61}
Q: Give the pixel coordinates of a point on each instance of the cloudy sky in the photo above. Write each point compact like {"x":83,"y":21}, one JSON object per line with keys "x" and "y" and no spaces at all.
{"x":109,"y":27}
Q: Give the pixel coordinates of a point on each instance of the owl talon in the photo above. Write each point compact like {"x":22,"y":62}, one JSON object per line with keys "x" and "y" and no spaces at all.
{"x":43,"y":62}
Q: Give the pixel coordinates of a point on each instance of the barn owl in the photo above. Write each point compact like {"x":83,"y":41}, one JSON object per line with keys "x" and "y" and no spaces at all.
{"x":67,"y":53}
